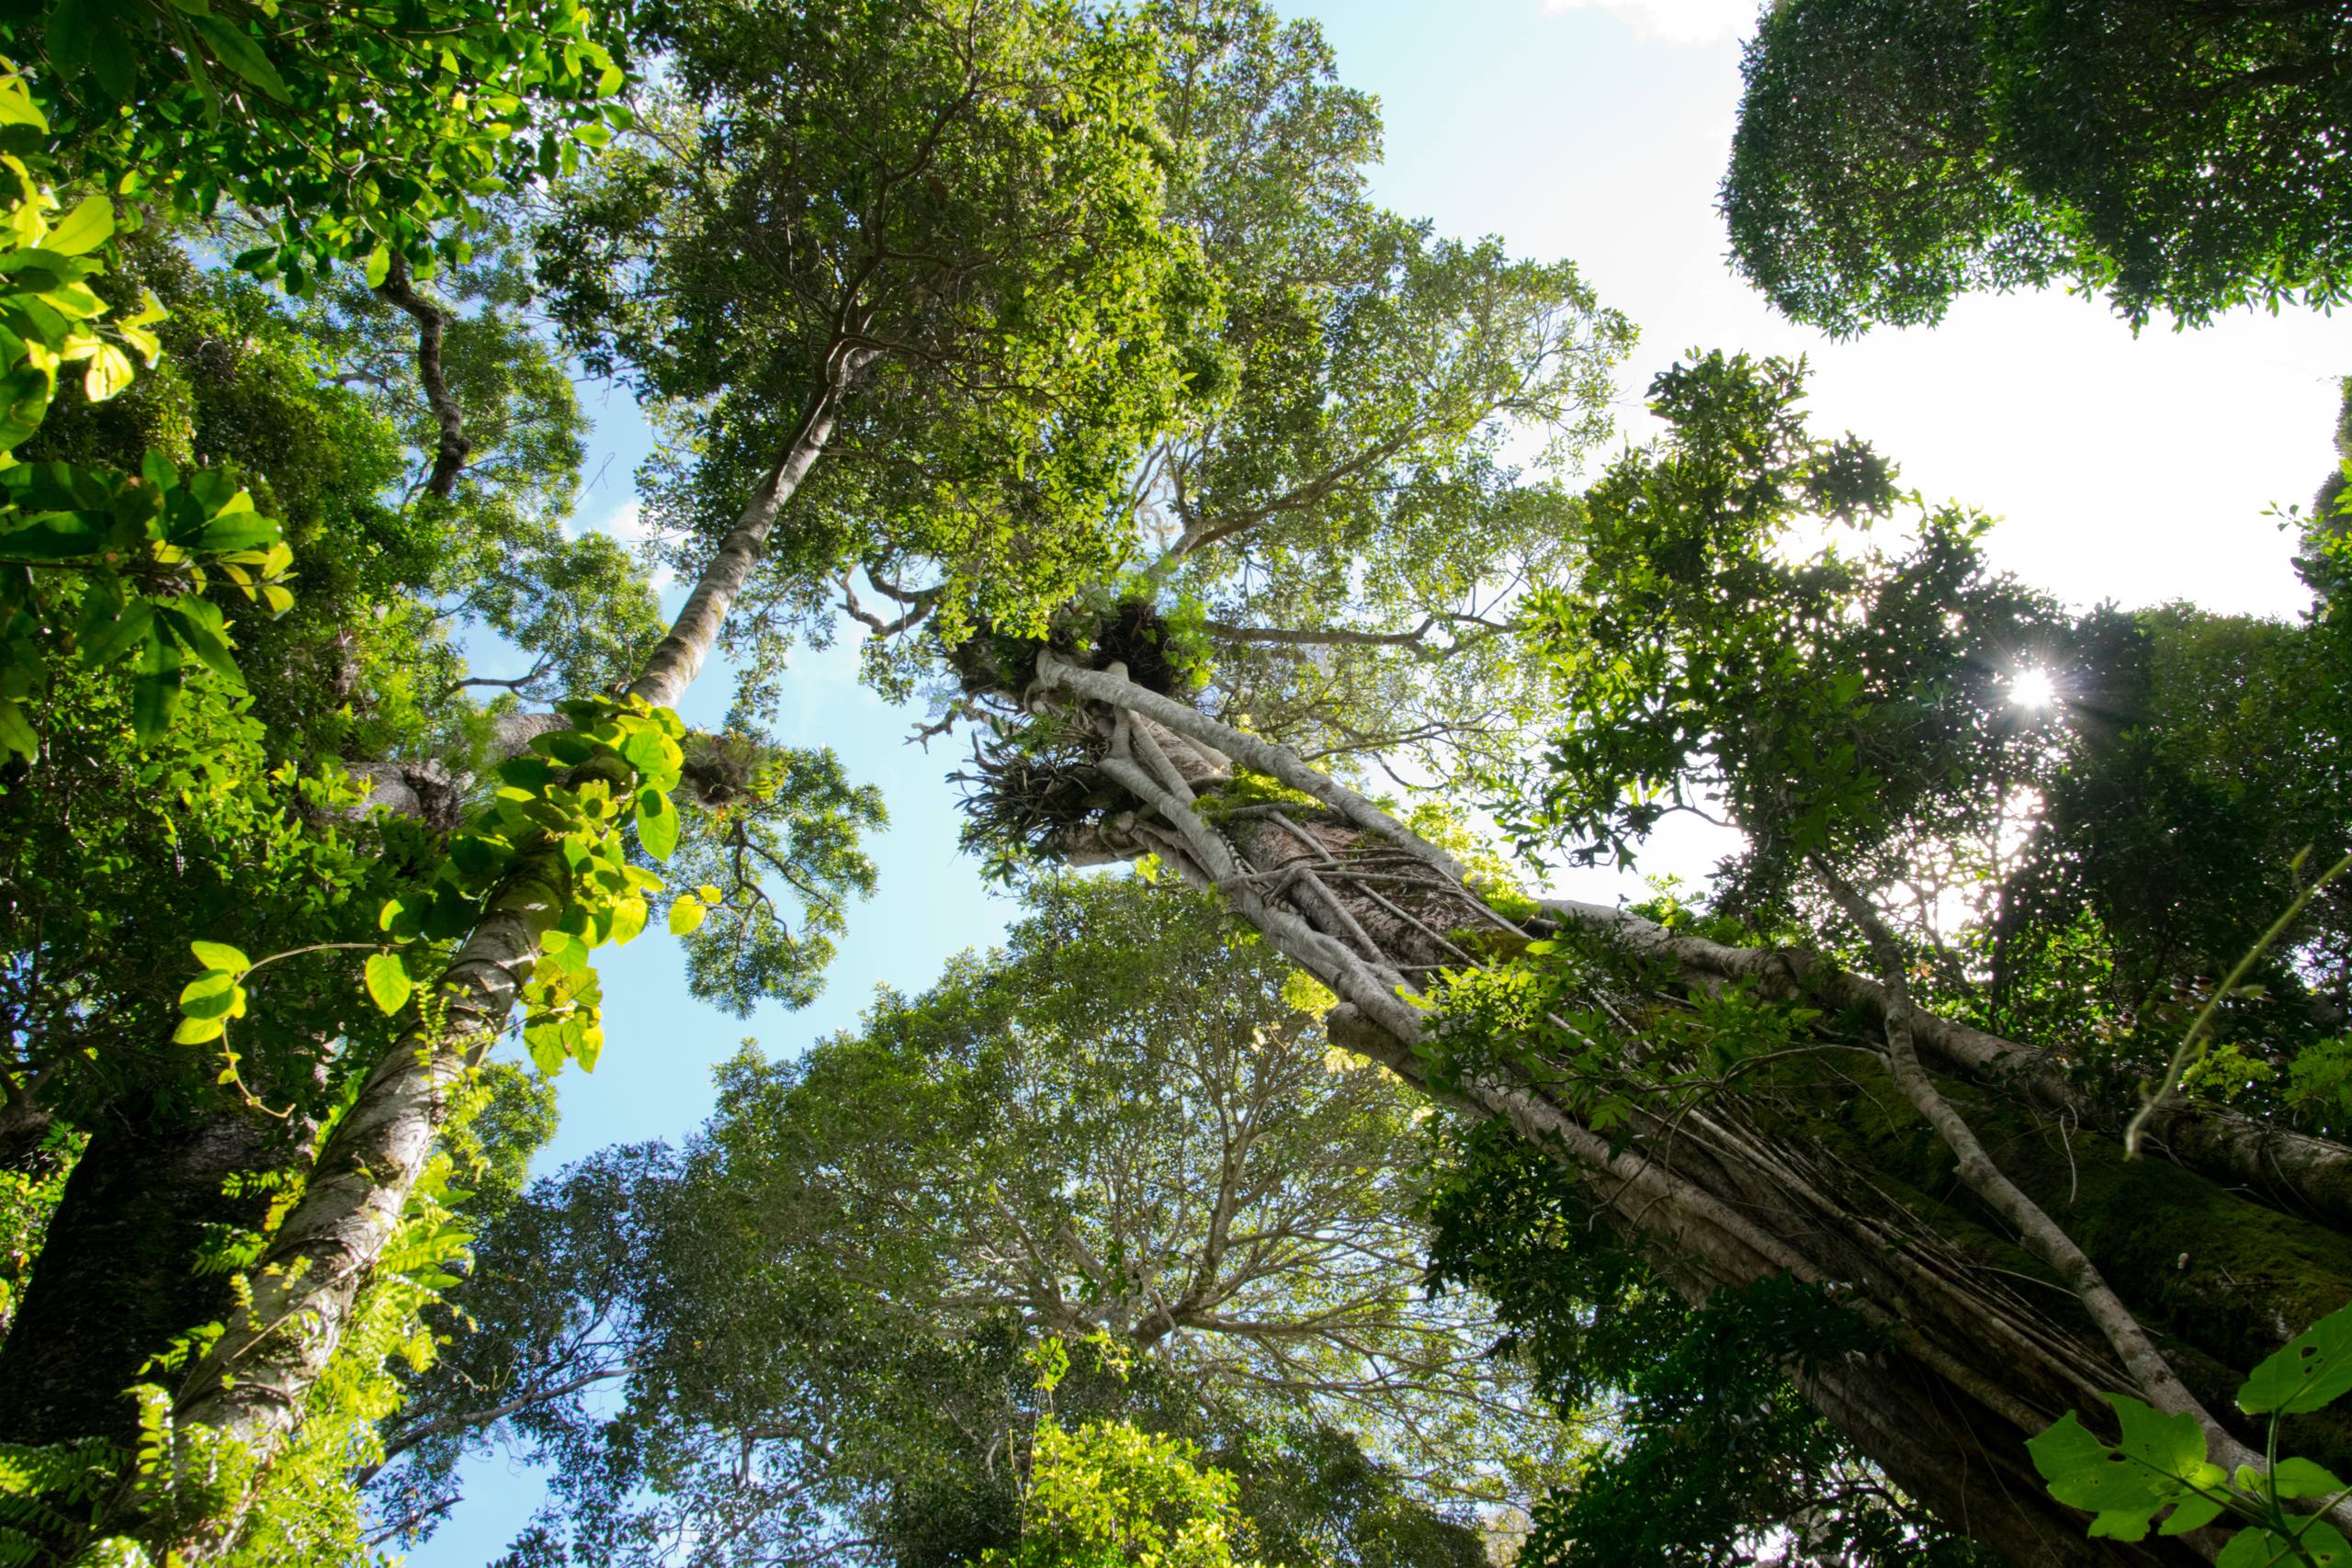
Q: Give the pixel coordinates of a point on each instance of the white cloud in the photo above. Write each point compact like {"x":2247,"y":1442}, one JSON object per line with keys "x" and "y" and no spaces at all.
{"x":1687,"y":22}
{"x":627,"y":525}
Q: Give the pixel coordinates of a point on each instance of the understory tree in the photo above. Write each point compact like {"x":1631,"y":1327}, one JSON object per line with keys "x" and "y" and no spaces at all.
{"x":2007,"y":1046}
{"x":2177,"y":159}
{"x":812,"y":1333}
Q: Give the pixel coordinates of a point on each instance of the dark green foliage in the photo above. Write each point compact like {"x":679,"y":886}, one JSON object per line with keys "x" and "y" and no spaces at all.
{"x":2177,"y":158}
{"x":1716,"y":1447}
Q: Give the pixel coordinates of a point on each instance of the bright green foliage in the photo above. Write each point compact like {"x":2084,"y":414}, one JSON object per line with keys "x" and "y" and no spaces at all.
{"x":112,"y":565}
{"x":557,"y":821}
{"x":200,"y":838}
{"x":346,"y":134}
{"x":833,"y":184}
{"x":1107,"y":1493}
{"x":308,"y":1510}
{"x":2079,"y":871}
{"x":2176,"y":159}
{"x":2159,"y":1464}
{"x":1335,"y":527}
{"x":1831,"y":699}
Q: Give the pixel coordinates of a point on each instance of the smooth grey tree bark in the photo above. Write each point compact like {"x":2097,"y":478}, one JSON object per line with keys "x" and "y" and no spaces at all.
{"x":246,"y":1394}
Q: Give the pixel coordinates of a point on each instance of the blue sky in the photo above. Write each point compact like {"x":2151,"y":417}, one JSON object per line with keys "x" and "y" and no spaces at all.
{"x":2134,"y":469}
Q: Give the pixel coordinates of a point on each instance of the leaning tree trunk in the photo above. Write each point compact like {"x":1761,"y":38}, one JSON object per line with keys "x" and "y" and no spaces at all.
{"x":1855,"y":1176}
{"x":242,"y":1400}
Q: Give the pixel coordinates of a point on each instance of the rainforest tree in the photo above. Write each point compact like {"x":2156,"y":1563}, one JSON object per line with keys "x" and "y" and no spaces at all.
{"x":2176,"y":159}
{"x":921,"y":143}
{"x":818,"y":1316}
{"x":1807,"y":1085}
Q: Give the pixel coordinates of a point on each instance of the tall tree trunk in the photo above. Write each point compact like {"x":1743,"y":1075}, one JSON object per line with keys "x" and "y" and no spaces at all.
{"x":117,"y":1278}
{"x":2221,"y":1248}
{"x":247,"y":1392}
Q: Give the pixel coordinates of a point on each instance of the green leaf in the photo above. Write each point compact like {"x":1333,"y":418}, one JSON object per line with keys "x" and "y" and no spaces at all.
{"x":237,"y":531}
{"x":2303,"y":1478}
{"x":108,"y":373}
{"x":223,"y":999}
{"x":388,"y":982}
{"x":2194,"y":1514}
{"x":104,"y":643}
{"x":2312,"y":1370}
{"x":629,"y":919}
{"x":546,"y":1048}
{"x":220,"y":955}
{"x":379,"y":265}
{"x":588,"y":1047}
{"x":82,"y":229}
{"x":2123,"y":1486}
{"x":657,"y":825}
{"x":16,"y":734}
{"x":686,"y":914}
{"x":61,"y":536}
{"x":17,"y":106}
{"x":236,"y":49}
{"x":196,"y":1031}
{"x":2322,"y":1543}
{"x":154,"y":697}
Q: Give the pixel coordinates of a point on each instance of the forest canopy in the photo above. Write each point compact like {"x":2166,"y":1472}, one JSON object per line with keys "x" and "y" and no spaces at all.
{"x":1960,"y":1176}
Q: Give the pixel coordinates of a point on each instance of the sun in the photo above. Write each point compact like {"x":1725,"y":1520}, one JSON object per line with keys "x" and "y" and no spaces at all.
{"x":2033,"y":689}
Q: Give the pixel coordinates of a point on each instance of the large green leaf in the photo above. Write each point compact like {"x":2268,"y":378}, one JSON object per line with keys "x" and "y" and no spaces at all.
{"x":657,"y":823}
{"x":82,"y":229}
{"x":2312,"y":1370}
{"x":388,"y":982}
{"x":2159,"y":1459}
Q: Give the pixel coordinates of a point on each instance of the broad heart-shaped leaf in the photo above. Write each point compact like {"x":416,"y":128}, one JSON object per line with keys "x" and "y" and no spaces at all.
{"x":388,"y":982}
{"x":2303,"y":1478}
{"x":2312,"y":1370}
{"x":657,"y":824}
{"x":686,"y":914}
{"x":2127,"y":1484}
{"x":629,"y":919}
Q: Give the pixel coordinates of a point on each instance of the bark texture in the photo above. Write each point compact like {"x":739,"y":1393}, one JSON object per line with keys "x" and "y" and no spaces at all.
{"x":247,"y":1391}
{"x":1904,"y":1169}
{"x":117,"y":1278}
